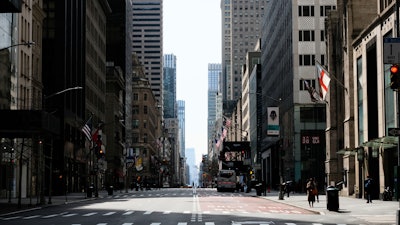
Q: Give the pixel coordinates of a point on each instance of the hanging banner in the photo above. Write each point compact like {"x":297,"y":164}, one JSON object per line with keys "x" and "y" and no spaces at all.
{"x":273,"y":121}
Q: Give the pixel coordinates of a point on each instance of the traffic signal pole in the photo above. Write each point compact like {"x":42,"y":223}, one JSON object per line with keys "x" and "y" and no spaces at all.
{"x":398,"y":116}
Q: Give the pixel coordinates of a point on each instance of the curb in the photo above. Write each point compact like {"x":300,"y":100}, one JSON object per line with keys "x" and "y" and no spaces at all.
{"x":50,"y":205}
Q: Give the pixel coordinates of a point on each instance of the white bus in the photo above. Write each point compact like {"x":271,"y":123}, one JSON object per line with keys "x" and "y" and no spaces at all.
{"x":226,"y":180}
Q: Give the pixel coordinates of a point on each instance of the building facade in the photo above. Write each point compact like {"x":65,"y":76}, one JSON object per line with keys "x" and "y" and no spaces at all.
{"x":169,"y":87}
{"x":147,"y":41}
{"x":372,"y":101}
{"x":289,"y":56}
{"x":147,"y":149}
{"x":241,"y":28}
{"x":214,"y":106}
{"x":342,"y":26}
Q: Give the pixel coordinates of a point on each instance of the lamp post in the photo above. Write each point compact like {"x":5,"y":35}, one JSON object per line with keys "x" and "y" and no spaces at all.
{"x":51,"y":144}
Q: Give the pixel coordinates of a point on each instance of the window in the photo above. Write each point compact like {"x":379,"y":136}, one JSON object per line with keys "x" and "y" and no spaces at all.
{"x":306,"y":35}
{"x":145,"y":109}
{"x":324,"y":10}
{"x":145,"y":97}
{"x":135,"y":138}
{"x":135,"y":109}
{"x":135,"y":124}
{"x":307,"y":60}
{"x":360,"y":101}
{"x":306,"y":10}
{"x":135,"y":96}
{"x":322,"y":60}
{"x":145,"y":138}
{"x":322,"y":35}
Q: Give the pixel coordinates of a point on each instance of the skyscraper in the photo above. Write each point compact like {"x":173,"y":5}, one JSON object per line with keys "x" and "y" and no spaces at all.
{"x":214,"y":101}
{"x":241,"y":28}
{"x":147,"y":41}
{"x":169,"y":89}
{"x":181,"y":119}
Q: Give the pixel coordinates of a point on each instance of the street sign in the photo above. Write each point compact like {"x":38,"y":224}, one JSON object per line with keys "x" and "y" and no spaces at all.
{"x":391,"y":50}
{"x":394,"y":131}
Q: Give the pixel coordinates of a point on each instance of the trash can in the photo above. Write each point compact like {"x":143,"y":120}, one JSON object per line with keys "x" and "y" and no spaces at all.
{"x":332,"y":198}
{"x":90,"y":191}
{"x":110,"y":190}
{"x":258,"y":189}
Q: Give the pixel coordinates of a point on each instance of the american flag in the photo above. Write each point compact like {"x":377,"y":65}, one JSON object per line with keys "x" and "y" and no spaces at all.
{"x":313,"y":93}
{"x":227,"y":122}
{"x":87,"y":129}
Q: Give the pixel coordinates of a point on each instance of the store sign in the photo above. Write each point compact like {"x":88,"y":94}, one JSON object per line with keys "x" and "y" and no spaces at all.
{"x":310,"y":139}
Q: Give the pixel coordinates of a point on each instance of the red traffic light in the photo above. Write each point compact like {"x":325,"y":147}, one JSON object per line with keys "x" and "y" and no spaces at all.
{"x":394,"y":69}
{"x":395,"y":77}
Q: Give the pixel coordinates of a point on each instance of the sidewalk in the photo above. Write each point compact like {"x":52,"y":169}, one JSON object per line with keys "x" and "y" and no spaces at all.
{"x":381,"y":211}
{"x":27,"y":204}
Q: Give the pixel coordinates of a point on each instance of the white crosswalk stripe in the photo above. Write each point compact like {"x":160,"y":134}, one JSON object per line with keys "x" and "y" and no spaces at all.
{"x":128,"y":213}
{"x":50,"y":216}
{"x":109,"y":214}
{"x":31,"y":217}
{"x":90,"y":214}
{"x":69,"y":215}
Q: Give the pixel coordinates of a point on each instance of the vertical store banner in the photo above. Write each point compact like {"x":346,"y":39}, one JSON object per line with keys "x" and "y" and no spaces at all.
{"x":273,"y":121}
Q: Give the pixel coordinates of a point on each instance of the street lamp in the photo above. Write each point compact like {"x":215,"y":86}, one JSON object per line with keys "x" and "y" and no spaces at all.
{"x":29,"y":44}
{"x":63,"y":91}
{"x":51,"y":150}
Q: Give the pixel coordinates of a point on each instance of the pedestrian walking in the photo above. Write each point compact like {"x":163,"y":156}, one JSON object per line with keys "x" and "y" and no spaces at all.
{"x":310,"y":188}
{"x":316,"y":189}
{"x":288,"y":187}
{"x":368,"y":186}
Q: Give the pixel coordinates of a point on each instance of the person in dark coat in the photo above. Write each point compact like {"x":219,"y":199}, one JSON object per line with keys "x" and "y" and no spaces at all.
{"x":310,"y":188}
{"x":368,"y":186}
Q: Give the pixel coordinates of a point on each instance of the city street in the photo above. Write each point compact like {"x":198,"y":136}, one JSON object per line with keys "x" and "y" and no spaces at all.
{"x":184,"y":206}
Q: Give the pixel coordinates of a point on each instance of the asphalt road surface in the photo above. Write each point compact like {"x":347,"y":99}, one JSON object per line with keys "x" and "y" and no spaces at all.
{"x":176,"y":207}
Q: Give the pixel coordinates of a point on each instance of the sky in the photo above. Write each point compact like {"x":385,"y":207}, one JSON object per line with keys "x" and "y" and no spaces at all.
{"x":192,"y":32}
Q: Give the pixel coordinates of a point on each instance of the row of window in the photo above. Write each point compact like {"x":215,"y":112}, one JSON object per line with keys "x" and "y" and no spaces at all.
{"x":309,"y":60}
{"x":136,"y":124}
{"x":309,"y":35}
{"x":308,"y":10}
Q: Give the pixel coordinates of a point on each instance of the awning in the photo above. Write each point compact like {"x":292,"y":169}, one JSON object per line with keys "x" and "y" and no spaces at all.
{"x":383,"y":142}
